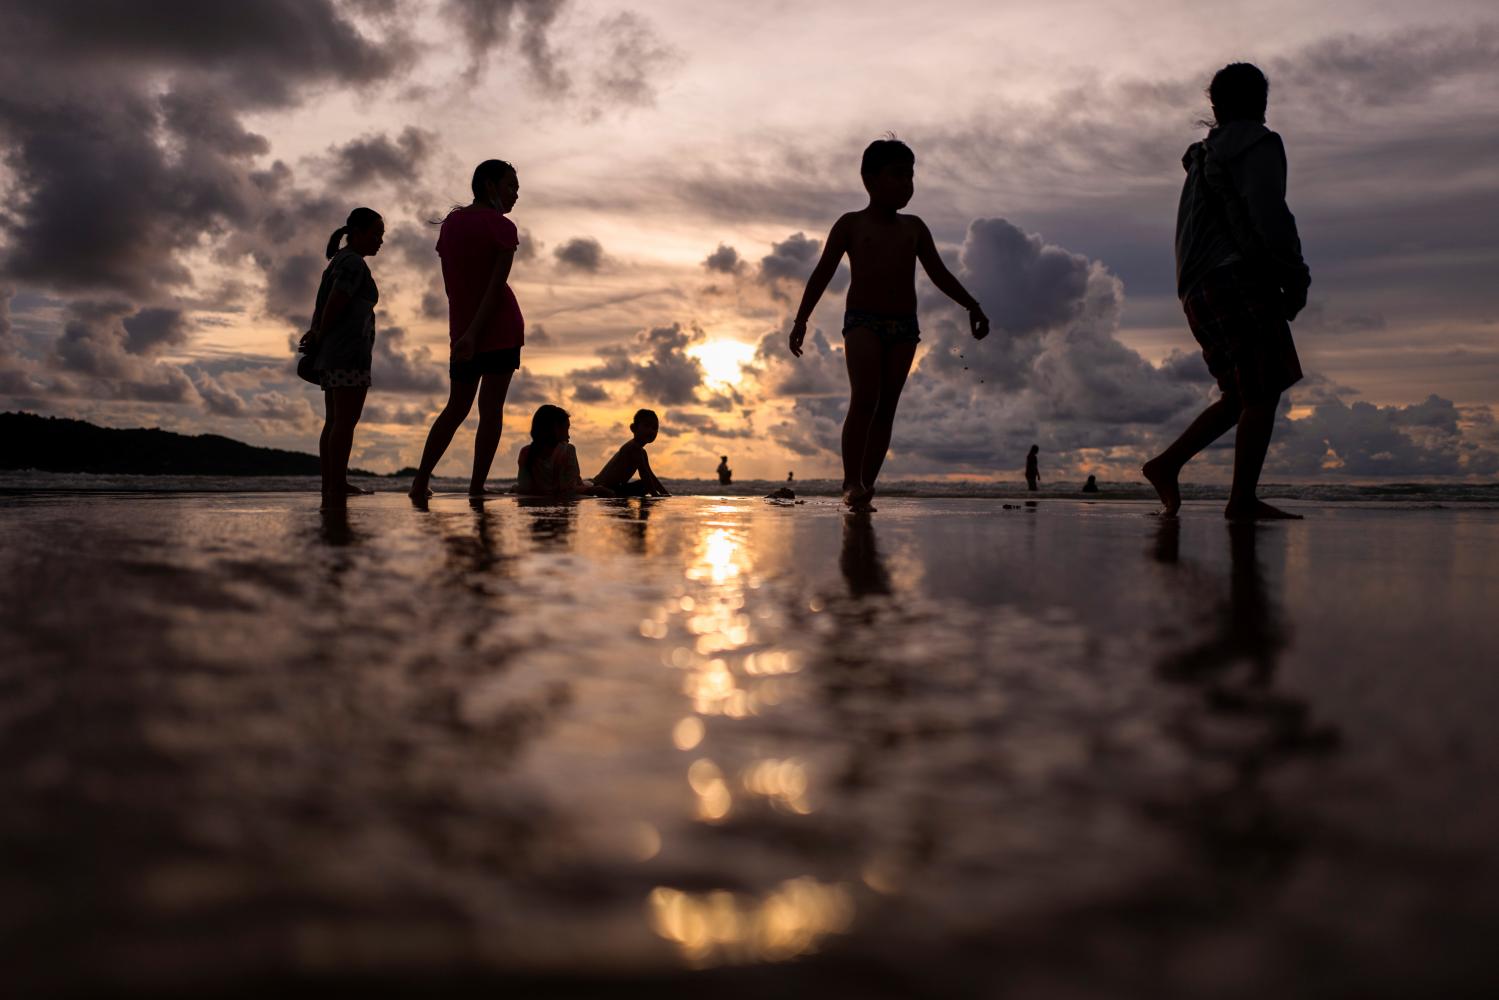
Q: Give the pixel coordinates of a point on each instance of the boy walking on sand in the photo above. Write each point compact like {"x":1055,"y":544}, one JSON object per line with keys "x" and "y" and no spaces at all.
{"x":880,"y":331}
{"x":631,"y":458}
{"x":1241,"y":280}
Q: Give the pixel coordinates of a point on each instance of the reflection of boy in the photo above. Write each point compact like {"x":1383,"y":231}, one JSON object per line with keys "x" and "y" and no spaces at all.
{"x":631,"y":458}
{"x":880,"y":331}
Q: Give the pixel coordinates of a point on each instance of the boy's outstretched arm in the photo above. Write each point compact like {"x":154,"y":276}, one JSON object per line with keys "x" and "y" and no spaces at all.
{"x":832,"y":253}
{"x":649,"y":478}
{"x":931,"y":262}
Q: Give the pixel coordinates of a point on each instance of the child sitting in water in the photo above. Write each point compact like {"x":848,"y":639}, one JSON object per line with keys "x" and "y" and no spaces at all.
{"x":631,"y":458}
{"x":549,"y":464}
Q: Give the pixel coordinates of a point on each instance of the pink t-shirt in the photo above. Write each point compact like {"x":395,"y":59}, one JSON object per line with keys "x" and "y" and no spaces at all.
{"x":468,"y":243}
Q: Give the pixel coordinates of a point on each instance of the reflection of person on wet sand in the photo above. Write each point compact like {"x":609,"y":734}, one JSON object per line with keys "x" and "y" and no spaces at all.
{"x":880,"y":330}
{"x":860,"y":560}
{"x":725,"y":474}
{"x":1032,"y":468}
{"x":1241,"y":280}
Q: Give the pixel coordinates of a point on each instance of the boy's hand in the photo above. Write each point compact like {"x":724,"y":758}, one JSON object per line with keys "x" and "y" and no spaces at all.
{"x":798,"y":334}
{"x":978,"y":323}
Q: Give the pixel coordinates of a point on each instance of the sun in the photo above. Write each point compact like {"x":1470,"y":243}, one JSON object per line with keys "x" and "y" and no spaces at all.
{"x":722,"y":360}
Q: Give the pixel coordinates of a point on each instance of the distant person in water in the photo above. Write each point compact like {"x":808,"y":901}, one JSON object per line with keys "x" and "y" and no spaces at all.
{"x":1241,"y":279}
{"x":631,"y":458}
{"x":790,"y":477}
{"x":341,"y":339}
{"x":725,"y":474}
{"x":880,"y":331}
{"x":548,"y":466}
{"x":1091,"y":486}
{"x":1032,"y":468}
{"x":477,"y":244}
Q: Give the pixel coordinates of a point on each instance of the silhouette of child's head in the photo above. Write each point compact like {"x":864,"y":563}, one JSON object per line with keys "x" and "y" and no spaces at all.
{"x":1035,"y":448}
{"x":549,"y":428}
{"x":1239,"y":92}
{"x":645,"y":426}
{"x":888,"y":168}
{"x":365,"y":230}
{"x":496,"y":184}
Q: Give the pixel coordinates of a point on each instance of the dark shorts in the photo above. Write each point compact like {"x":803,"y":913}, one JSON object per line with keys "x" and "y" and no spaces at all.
{"x":1240,"y":324}
{"x":506,"y":359}
{"x":891,"y":330}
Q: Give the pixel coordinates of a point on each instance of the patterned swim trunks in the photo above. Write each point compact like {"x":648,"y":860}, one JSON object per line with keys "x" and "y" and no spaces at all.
{"x":891,"y":330}
{"x":1238,"y":320}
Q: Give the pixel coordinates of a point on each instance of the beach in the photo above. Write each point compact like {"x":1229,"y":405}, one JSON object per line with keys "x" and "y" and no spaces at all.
{"x":961,"y":747}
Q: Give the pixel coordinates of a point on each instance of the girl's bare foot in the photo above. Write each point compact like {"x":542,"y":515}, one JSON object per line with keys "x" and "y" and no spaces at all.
{"x":1163,"y":478}
{"x":419,"y":488}
{"x":1258,"y":510}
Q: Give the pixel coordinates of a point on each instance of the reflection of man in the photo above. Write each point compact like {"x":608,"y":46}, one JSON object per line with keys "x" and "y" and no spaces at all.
{"x":725,"y":474}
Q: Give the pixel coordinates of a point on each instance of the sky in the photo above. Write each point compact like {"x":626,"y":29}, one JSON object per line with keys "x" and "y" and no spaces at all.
{"x":171,"y":180}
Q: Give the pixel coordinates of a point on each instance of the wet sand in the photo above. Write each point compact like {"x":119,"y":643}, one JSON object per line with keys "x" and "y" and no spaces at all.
{"x":663,"y":748}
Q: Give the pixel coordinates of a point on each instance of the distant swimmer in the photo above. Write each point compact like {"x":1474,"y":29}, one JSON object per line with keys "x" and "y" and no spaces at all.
{"x":1091,"y":486}
{"x":725,"y":474}
{"x":790,"y":477}
{"x":1032,"y":469}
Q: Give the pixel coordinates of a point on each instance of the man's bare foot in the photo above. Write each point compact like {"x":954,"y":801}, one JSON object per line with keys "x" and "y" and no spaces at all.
{"x":1258,"y":510}
{"x":356,"y":491}
{"x":1166,"y":487}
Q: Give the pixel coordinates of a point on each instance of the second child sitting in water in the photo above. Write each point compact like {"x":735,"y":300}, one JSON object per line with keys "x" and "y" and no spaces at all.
{"x":549,"y":464}
{"x":631,"y":458}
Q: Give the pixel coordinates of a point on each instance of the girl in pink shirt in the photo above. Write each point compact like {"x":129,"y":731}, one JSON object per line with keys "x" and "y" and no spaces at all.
{"x":477,"y":245}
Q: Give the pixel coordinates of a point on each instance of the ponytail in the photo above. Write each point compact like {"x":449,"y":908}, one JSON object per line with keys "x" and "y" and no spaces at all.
{"x":360,"y":218}
{"x":336,"y":239}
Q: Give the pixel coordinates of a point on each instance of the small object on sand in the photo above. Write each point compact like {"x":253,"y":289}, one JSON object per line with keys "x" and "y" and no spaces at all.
{"x":1010,"y":506}
{"x":781,"y":493}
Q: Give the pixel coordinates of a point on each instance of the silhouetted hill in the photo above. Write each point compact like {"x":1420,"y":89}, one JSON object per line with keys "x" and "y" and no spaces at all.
{"x":56,"y":444}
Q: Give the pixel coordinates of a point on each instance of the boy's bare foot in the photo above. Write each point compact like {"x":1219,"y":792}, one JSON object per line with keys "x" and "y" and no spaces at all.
{"x":1258,"y":510}
{"x":857,"y":498}
{"x":356,"y":491}
{"x":1163,"y":479}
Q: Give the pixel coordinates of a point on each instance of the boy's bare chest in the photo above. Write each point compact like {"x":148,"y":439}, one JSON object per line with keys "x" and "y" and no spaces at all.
{"x":882,"y":245}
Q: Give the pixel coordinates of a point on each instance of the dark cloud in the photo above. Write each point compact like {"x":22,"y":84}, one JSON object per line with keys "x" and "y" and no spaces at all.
{"x":634,"y":56}
{"x":377,"y":157}
{"x":529,"y":246}
{"x":537,"y":335}
{"x":682,"y":423}
{"x":488,"y":25}
{"x":94,"y":343}
{"x":1383,"y":442}
{"x":398,"y":369}
{"x":581,"y":253}
{"x":151,"y":330}
{"x":669,"y":376}
{"x":791,"y":259}
{"x":590,"y":392}
{"x":724,"y":260}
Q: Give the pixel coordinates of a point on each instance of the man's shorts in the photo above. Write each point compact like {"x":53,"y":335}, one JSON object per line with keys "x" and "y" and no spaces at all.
{"x":1237,"y":319}
{"x":506,"y":359}
{"x":891,"y":330}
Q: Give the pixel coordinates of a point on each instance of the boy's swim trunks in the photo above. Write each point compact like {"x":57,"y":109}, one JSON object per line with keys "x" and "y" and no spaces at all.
{"x":890,"y":329}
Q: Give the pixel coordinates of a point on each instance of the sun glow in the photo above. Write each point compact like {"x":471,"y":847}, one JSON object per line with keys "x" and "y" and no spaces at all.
{"x":722,"y":360}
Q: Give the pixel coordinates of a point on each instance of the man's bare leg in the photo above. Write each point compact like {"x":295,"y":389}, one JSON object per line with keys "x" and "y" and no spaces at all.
{"x":863,"y":354}
{"x":492,"y":392}
{"x":1163,"y":471}
{"x":1256,"y":424}
{"x":460,"y":401}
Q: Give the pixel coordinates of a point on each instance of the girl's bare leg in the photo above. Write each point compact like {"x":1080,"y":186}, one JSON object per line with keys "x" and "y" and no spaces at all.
{"x":348,"y":405}
{"x":460,"y":401}
{"x":491,"y":422}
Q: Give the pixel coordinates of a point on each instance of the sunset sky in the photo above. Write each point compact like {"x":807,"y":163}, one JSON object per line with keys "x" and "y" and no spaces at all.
{"x":171,"y":179}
